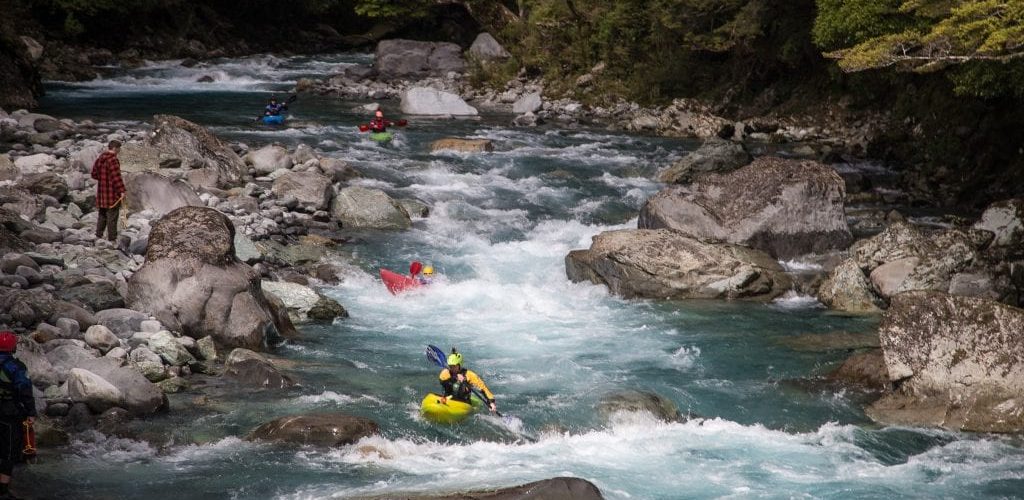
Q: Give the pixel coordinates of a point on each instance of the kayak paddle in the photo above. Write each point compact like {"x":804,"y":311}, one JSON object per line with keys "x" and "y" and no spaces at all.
{"x":436,"y":355}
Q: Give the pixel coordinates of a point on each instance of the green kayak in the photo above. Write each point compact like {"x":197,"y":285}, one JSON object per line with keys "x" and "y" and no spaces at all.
{"x":381,"y":137}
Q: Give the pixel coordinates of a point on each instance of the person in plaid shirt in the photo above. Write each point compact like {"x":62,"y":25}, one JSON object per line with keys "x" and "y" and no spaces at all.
{"x":109,"y":190}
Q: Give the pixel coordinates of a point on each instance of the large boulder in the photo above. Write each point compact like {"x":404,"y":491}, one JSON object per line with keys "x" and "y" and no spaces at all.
{"x":310,"y":188}
{"x":326,"y":430}
{"x":150,"y":191}
{"x":268,"y":159}
{"x":138,"y":395}
{"x":197,"y":148}
{"x":958,"y":363}
{"x":486,"y":48}
{"x":97,"y":296}
{"x":365,"y":208}
{"x":784,"y":207}
{"x":1005,"y":219}
{"x":410,"y":59}
{"x":639,"y":401}
{"x":663,"y":264}
{"x":433,"y":102}
{"x":193,"y":283}
{"x":91,"y":389}
{"x":529,"y":103}
{"x":716,"y":155}
{"x":847,"y":289}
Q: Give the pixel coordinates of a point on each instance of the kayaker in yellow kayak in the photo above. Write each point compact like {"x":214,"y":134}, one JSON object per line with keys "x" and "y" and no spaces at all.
{"x":459,"y":382}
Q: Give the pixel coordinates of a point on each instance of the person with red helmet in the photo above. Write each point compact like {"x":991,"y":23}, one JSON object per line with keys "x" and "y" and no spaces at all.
{"x":17,"y":410}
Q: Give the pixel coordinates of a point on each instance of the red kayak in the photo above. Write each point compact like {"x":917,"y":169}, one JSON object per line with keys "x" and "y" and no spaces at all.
{"x":397,"y":282}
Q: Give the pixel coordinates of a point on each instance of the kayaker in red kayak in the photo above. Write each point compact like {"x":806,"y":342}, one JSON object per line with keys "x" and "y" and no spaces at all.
{"x":459,"y":382}
{"x":422,"y":275}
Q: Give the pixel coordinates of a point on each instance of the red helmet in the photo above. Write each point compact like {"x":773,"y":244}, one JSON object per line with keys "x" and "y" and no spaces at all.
{"x":415,"y":267}
{"x":8,"y":342}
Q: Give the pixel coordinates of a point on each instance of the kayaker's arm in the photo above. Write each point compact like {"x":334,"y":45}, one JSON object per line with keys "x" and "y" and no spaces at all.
{"x":477,"y":382}
{"x":447,"y":383}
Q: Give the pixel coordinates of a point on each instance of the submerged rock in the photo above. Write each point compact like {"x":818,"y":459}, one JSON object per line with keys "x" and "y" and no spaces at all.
{"x":251,"y":369}
{"x":639,"y":401}
{"x":327,"y":430}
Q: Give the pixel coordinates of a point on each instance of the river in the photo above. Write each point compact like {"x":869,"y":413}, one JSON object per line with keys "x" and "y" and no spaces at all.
{"x":764,"y":424}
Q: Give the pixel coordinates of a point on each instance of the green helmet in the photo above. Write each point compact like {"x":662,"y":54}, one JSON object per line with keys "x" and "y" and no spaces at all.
{"x":454,"y":359}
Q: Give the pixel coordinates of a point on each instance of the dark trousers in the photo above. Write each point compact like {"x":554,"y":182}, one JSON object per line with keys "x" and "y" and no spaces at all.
{"x":108,"y":220}
{"x":12,"y":435}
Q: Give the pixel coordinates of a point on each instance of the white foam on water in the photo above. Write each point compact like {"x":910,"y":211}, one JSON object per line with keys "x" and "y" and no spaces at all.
{"x":795,"y":300}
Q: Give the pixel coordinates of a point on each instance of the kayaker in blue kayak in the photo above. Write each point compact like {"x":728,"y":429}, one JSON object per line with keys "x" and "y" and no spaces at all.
{"x":274,"y":108}
{"x":459,"y":382}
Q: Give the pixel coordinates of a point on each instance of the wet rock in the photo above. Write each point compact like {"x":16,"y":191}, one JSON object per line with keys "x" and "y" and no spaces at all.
{"x":415,"y":208}
{"x":825,"y":342}
{"x":337,"y":170}
{"x":206,"y":349}
{"x":716,"y":155}
{"x":866,"y":369}
{"x":529,"y":103}
{"x":304,"y":303}
{"x":359,"y":207}
{"x":958,"y":363}
{"x":193,"y":283}
{"x":662,"y":264}
{"x":326,"y":430}
{"x":249,"y":368}
{"x":637,"y":401}
{"x":784,"y":207}
{"x":1005,"y":220}
{"x":170,"y":349}
{"x":462,"y":145}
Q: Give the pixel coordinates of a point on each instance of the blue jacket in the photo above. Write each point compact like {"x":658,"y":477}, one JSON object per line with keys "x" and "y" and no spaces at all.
{"x":274,"y":109}
{"x":16,"y":399}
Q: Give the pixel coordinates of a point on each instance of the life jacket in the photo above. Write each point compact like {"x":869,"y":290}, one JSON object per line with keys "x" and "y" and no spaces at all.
{"x":10,"y":402}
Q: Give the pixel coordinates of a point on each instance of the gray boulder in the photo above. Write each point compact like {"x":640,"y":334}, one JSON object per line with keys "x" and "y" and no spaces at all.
{"x":410,"y":59}
{"x":93,"y":390}
{"x":169,"y":349}
{"x":140,"y":396}
{"x":196,"y":147}
{"x":97,"y":296}
{"x":358,"y":207}
{"x":47,"y":183}
{"x":784,"y":207}
{"x":310,"y":188}
{"x":486,"y":48}
{"x":148,"y":363}
{"x":847,"y":289}
{"x":100,"y":337}
{"x":192,"y":282}
{"x":639,"y":401}
{"x":304,"y":303}
{"x":529,"y":103}
{"x":250,"y":368}
{"x":122,"y":322}
{"x":268,"y":159}
{"x":150,"y":191}
{"x":433,"y":102}
{"x":337,"y":170}
{"x":666,"y":265}
{"x":958,"y":361}
{"x":1005,"y":219}
{"x":40,"y":370}
{"x":326,"y":430}
{"x":716,"y":155}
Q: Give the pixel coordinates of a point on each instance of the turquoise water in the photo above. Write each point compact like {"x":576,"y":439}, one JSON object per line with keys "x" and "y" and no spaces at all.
{"x":763,"y":423}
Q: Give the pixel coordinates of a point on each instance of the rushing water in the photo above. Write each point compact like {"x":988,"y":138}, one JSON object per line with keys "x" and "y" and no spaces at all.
{"x":500,"y":227}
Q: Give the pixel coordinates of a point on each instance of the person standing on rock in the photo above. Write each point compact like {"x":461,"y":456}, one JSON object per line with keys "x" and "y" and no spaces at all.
{"x":17,"y":410}
{"x":109,"y":190}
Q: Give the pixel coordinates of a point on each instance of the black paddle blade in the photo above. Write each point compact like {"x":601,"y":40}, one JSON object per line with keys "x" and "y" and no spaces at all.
{"x":292,"y":98}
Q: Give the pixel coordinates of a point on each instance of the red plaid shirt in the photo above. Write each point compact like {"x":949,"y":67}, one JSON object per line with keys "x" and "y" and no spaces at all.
{"x":109,"y":185}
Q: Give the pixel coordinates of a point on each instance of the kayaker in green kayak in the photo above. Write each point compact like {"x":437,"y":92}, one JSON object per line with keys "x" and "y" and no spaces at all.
{"x":458,"y":382}
{"x":378,"y":125}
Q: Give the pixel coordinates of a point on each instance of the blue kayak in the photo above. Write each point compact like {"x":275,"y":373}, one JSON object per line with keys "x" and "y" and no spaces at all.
{"x":273,"y":119}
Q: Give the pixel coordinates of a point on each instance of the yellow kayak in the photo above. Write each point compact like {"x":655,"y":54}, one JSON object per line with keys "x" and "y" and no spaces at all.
{"x":450,"y":411}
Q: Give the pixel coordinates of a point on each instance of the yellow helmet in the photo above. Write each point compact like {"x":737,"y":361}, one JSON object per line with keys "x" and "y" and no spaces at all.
{"x":429,"y":270}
